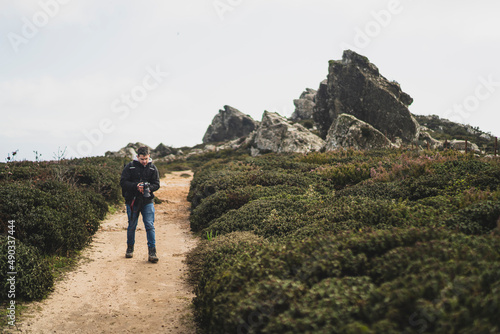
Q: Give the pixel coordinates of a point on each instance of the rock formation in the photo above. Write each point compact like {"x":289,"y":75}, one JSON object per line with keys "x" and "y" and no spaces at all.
{"x":229,"y":124}
{"x":276,"y":134}
{"x":129,"y":151}
{"x":350,"y":132}
{"x":355,"y":86}
{"x":162,"y":150}
{"x":355,"y":107}
{"x":304,"y":106}
{"x":425,"y":139}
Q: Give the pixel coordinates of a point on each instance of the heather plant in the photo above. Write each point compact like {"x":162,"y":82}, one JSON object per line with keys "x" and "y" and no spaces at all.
{"x":349,"y":241}
{"x":33,"y":280}
{"x":56,"y":207}
{"x":378,"y":281}
{"x":52,"y":216}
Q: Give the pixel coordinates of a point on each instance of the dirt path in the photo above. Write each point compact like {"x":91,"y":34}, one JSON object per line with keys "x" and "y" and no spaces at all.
{"x":108,"y":293}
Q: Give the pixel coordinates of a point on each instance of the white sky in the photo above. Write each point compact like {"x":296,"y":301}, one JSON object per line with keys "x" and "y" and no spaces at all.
{"x":70,"y":72}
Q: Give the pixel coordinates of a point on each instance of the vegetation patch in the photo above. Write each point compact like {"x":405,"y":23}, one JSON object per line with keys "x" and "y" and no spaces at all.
{"x":384,"y":241}
{"x":56,"y":207}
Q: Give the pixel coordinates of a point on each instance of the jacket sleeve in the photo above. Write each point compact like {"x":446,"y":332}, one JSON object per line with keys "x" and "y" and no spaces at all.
{"x":125,"y":182}
{"x":155,"y":181}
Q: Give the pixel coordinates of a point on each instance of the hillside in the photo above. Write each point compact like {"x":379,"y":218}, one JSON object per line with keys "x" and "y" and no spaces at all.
{"x":347,"y":242}
{"x":351,"y":216}
{"x":355,"y":107}
{"x":443,"y":129}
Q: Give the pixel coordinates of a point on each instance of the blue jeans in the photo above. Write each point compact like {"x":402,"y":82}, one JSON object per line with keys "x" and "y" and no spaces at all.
{"x":148,"y":217}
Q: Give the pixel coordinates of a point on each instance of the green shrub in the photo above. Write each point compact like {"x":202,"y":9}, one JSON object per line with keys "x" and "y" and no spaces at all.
{"x":331,"y":306}
{"x":346,"y":242}
{"x":332,"y":284}
{"x":208,"y":256}
{"x":57,"y":206}
{"x":210,"y":183}
{"x":102,"y":180}
{"x":216,"y":205}
{"x":253,"y":215}
{"x":477,"y":218}
{"x":341,"y":175}
{"x":53,"y":216}
{"x":33,"y":279}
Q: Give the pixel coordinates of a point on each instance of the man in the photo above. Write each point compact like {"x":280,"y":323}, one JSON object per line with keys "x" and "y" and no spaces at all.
{"x":135,"y":191}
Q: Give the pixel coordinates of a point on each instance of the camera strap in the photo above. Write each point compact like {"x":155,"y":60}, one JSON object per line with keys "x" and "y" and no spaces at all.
{"x":132,"y":205}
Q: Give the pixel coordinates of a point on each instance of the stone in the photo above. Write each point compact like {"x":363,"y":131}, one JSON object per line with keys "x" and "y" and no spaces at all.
{"x":460,"y":146}
{"x":277,"y":134}
{"x":304,"y":106}
{"x":350,"y":132}
{"x":129,"y":151}
{"x":229,"y":124}
{"x":356,"y":87}
{"x":425,"y":137}
{"x":125,"y":152}
{"x":161,"y":151}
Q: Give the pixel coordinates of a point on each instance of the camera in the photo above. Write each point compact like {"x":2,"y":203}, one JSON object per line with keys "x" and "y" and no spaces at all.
{"x":147,"y":191}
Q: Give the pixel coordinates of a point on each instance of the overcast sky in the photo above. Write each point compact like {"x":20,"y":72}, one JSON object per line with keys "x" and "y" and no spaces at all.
{"x":94,"y":75}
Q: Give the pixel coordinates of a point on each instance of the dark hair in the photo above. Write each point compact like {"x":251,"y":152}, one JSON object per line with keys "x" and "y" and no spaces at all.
{"x":143,"y":150}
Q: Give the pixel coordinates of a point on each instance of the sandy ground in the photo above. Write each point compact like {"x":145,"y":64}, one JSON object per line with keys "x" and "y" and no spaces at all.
{"x":108,"y":293}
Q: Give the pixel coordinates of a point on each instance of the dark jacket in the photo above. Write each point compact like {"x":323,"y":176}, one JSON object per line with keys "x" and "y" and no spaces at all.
{"x":133,"y":174}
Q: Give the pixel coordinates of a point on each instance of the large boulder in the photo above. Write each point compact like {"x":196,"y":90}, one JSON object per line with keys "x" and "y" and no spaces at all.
{"x":276,"y":134}
{"x":229,"y":124}
{"x":162,"y":150}
{"x":304,"y":106}
{"x":350,"y":132}
{"x":355,"y":86}
{"x":425,"y":140}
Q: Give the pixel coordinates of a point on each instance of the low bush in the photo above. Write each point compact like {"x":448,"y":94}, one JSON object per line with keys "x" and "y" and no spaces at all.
{"x":381,"y":281}
{"x":33,"y":279}
{"x":221,"y":202}
{"x":210,"y":183}
{"x":347,"y":242}
{"x":102,"y":180}
{"x":208,"y":256}
{"x":477,"y":218}
{"x":52,"y":216}
{"x":56,"y":207}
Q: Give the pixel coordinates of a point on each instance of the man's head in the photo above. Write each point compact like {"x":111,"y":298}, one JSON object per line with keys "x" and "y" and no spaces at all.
{"x":143,"y":155}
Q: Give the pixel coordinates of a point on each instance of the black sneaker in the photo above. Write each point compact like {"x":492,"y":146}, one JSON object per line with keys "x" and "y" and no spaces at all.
{"x":152,"y":255}
{"x":130,"y":251}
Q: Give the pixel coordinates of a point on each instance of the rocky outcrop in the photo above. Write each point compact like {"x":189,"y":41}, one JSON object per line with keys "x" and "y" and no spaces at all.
{"x":355,"y":86}
{"x":350,"y":132}
{"x":229,"y":124}
{"x":426,"y":140}
{"x":129,"y":151}
{"x":304,"y":106}
{"x":162,"y":150}
{"x":276,"y":134}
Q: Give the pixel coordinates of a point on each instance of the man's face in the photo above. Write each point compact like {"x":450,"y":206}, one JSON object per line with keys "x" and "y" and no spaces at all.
{"x":143,"y":159}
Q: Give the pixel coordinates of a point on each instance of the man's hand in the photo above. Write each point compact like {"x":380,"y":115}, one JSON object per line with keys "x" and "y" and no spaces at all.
{"x":140,"y":188}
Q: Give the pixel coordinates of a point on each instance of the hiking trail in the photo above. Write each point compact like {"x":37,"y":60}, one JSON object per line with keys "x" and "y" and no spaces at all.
{"x":107,"y":293}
